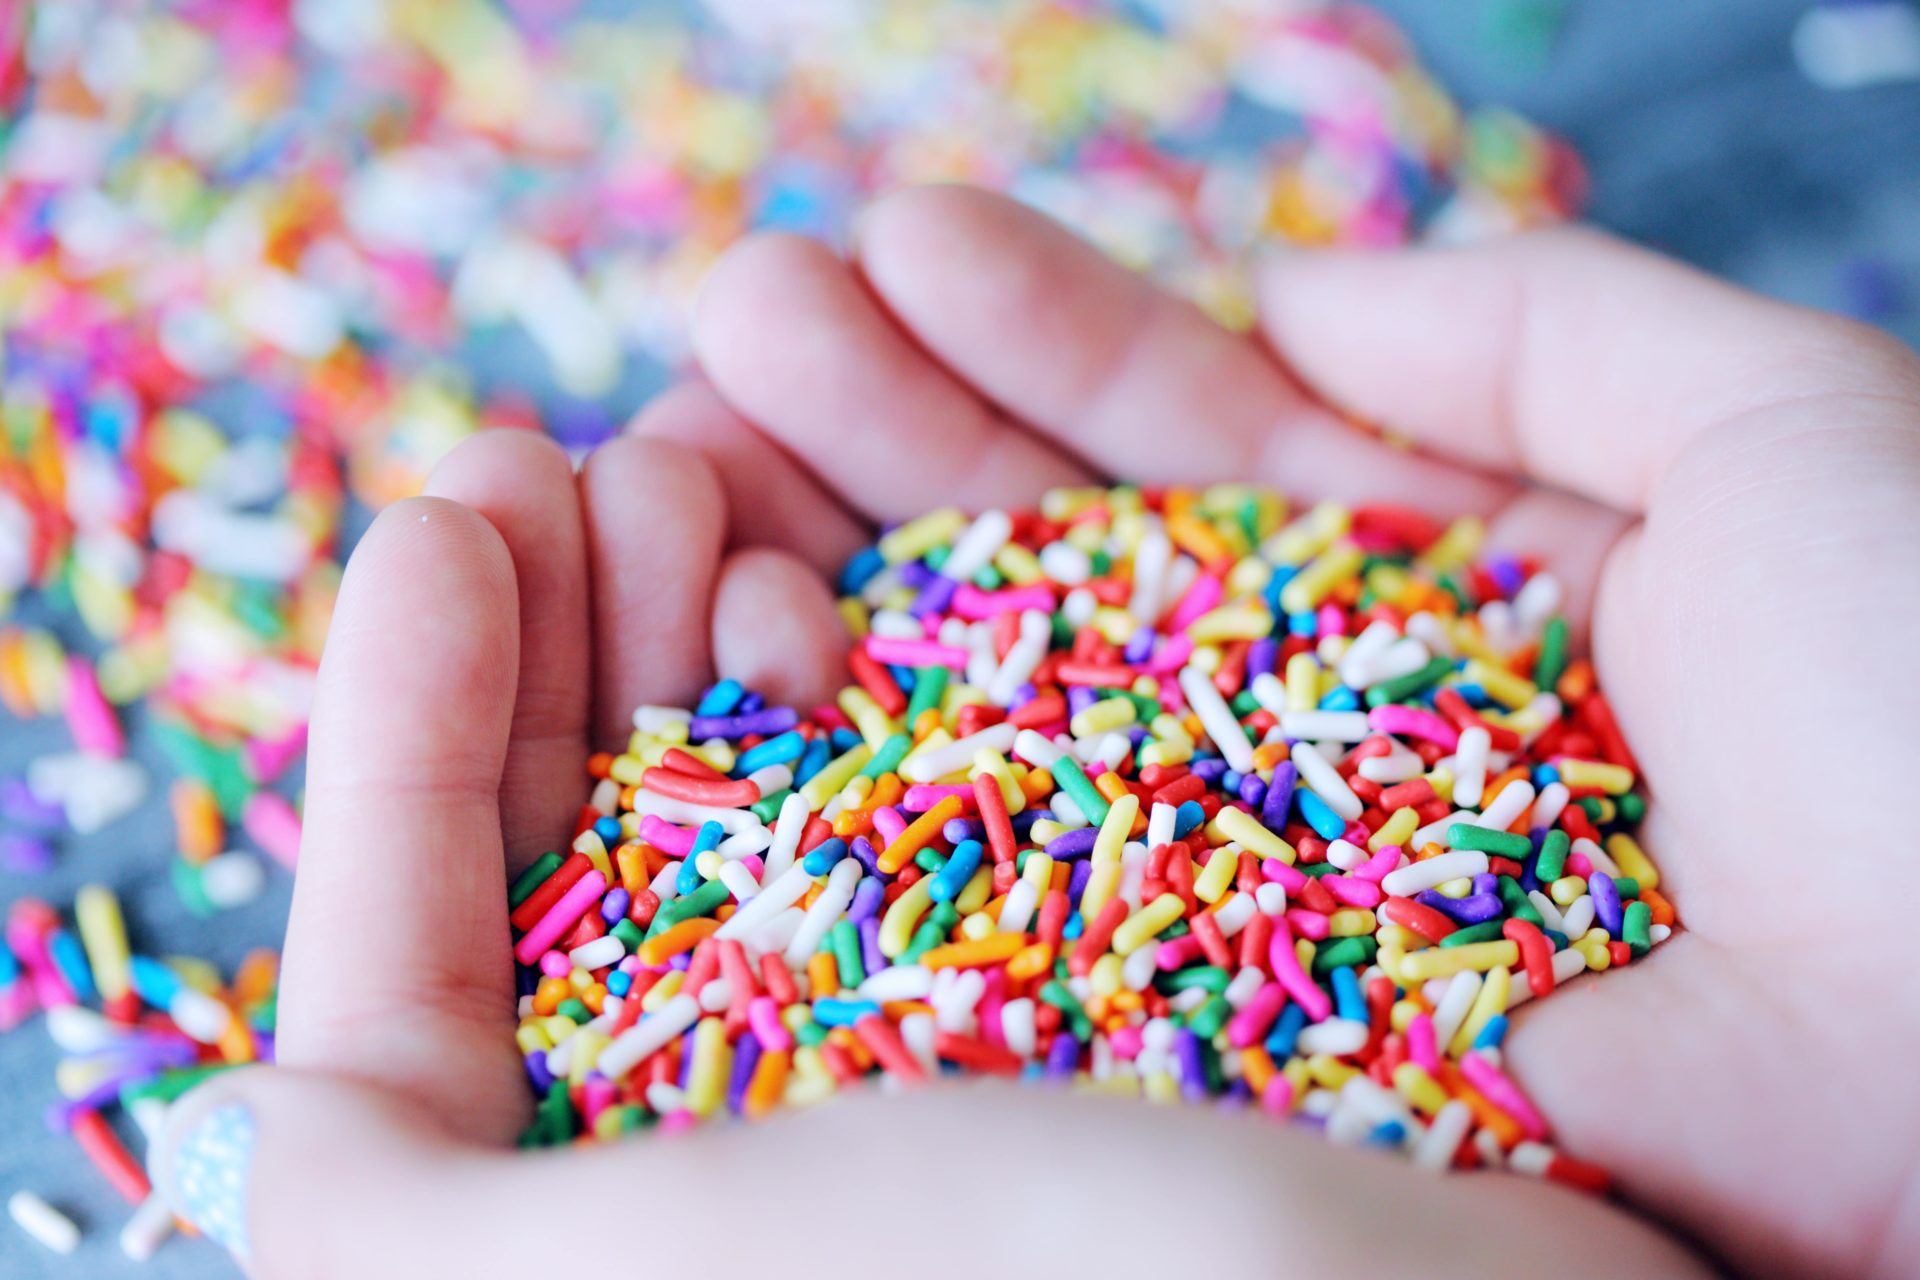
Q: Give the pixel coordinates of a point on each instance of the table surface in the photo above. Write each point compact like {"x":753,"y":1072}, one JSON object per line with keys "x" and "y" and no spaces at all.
{"x":1703,"y":139}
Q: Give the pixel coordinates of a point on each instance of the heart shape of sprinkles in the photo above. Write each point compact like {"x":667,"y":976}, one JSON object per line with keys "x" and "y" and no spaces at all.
{"x":1168,"y":792}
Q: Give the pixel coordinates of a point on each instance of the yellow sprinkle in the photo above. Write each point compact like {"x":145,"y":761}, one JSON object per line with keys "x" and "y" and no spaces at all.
{"x":920,"y":535}
{"x":1241,"y":826}
{"x":1491,"y":1000}
{"x":1611,"y":778}
{"x":1633,"y":860}
{"x":1444,"y":962}
{"x":1138,"y":929}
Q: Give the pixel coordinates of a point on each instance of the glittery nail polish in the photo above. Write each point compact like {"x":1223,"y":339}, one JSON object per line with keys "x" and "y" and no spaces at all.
{"x":210,"y":1175}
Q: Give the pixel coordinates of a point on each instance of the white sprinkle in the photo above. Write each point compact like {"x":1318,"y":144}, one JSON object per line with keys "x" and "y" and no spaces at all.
{"x":43,"y":1222}
{"x":1219,"y":722}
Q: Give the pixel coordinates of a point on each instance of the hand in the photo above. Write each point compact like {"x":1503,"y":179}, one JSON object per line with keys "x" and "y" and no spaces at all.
{"x":379,"y":1139}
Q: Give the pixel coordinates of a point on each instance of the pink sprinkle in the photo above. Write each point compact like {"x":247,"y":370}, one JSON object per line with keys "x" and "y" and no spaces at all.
{"x":1421,"y":1046}
{"x":922,"y":796}
{"x":274,"y":826}
{"x":1579,"y":864}
{"x":95,"y":728}
{"x":1332,"y":621}
{"x":915,"y":653}
{"x":1277,"y":1098}
{"x":561,"y":917}
{"x":1306,"y":993}
{"x":1250,"y":1025}
{"x":665,"y":836}
{"x":1311,"y":925}
{"x":975,"y":605}
{"x":888,"y":822}
{"x":1292,"y":879}
{"x":1200,"y":599}
{"x":1353,"y":891}
{"x":1380,"y":865}
{"x":1413,"y":722}
{"x":1503,"y":1093}
{"x":1171,"y":656}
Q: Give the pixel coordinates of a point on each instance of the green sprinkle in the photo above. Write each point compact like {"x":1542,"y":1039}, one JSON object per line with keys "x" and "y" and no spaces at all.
{"x":1207,"y":977}
{"x":169,"y":1085}
{"x":527,"y":881}
{"x":1072,"y":780}
{"x":767,"y":808}
{"x":1341,"y":953}
{"x":1636,"y":927}
{"x":891,"y":752}
{"x":629,"y":934}
{"x":1632,"y":806}
{"x":1486,"y":931}
{"x":1504,"y":844}
{"x":1553,"y":856}
{"x":1553,"y":653}
{"x":928,"y":688}
{"x":1207,"y":1020}
{"x":844,"y":937}
{"x":1518,"y":904}
{"x":1400,"y":688}
{"x":1056,"y":994}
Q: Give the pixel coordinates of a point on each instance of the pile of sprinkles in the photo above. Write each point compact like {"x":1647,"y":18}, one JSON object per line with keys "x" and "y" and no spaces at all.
{"x":1171,"y":793}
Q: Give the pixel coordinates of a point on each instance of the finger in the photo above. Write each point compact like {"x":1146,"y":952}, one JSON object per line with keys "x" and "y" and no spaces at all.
{"x":775,"y":628}
{"x":656,"y":520}
{"x":1128,"y":378}
{"x":1565,"y":356}
{"x":523,"y":484}
{"x":792,"y":340}
{"x":342,"y":1184}
{"x":397,"y":969}
{"x":774,"y":500}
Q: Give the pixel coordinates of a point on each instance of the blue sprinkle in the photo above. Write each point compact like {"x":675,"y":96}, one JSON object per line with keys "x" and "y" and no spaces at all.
{"x":1319,"y":815}
{"x":836,"y":1012}
{"x":1493,"y":1034}
{"x":720,"y":699}
{"x":608,"y":829}
{"x":618,"y":983}
{"x":824,"y":856}
{"x":1348,"y":1001}
{"x":70,"y":958}
{"x":1281,"y":1039}
{"x":860,"y":570}
{"x":1188,"y":816}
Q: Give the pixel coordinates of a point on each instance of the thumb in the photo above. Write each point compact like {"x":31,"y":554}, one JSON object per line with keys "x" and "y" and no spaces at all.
{"x":301,"y":1175}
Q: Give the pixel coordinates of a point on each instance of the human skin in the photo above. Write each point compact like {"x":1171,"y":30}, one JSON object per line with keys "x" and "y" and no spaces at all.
{"x":1729,"y":488}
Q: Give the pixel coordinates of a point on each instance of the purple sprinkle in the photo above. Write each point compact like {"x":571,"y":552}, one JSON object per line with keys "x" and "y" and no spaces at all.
{"x":1476,"y":908}
{"x":750,"y":702}
{"x":1079,"y":698}
{"x":871,"y":956}
{"x":1077,"y":843}
{"x":1507,"y":574}
{"x":25,"y":855}
{"x":1077,"y":880}
{"x":1024,"y":694}
{"x":1486,"y":882}
{"x":680,"y":961}
{"x":958,"y":829}
{"x":1193,"y":1071}
{"x":867,"y":896}
{"x":1262,"y":654}
{"x":537,"y":1073}
{"x":19,"y":805}
{"x":746,"y":1056}
{"x":862,"y":852}
{"x":1252,"y":790}
{"x":613,"y":908}
{"x":1140,"y":646}
{"x":933,"y":598}
{"x":1063,"y":1057}
{"x":916,"y":574}
{"x":1606,"y":902}
{"x":766,"y":722}
{"x":1208,"y":770}
{"x":1274,"y":805}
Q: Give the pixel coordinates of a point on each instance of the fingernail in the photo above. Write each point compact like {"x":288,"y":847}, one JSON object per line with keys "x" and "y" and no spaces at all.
{"x":210,"y":1175}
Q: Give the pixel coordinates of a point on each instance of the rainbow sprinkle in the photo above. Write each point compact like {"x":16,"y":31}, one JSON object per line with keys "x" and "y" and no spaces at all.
{"x":1173,"y":793}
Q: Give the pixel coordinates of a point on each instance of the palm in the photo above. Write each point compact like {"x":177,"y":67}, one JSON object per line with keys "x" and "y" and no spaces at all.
{"x":1008,"y":359}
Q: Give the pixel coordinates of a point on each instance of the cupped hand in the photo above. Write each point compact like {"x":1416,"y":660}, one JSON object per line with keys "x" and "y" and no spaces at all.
{"x":1727,"y":486}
